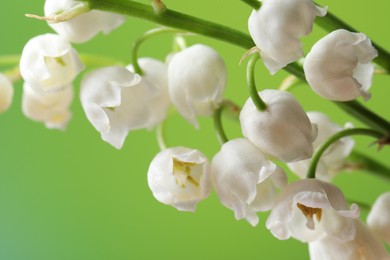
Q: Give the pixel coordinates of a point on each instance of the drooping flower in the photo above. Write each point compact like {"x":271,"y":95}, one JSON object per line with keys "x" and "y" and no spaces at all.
{"x":310,"y":209}
{"x":196,"y":81}
{"x":116,"y":100}
{"x":85,"y":26}
{"x":6,"y":93}
{"x":378,"y":219}
{"x":245,"y":180}
{"x":49,"y":63}
{"x":277,"y":26}
{"x":283,"y":130}
{"x":53,"y":109}
{"x":331,"y":161}
{"x":364,"y":246}
{"x":180,"y":177}
{"x":339,"y":67}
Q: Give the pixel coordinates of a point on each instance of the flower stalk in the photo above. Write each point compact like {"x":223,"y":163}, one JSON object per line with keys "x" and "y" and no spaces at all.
{"x":222,"y":138}
{"x":250,"y":77}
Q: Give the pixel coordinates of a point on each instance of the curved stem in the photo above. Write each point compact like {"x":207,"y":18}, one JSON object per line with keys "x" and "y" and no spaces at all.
{"x":161,"y":136}
{"x":255,"y":4}
{"x":140,"y":40}
{"x":250,"y":78}
{"x":334,"y":138}
{"x":218,"y":125}
{"x":360,"y":161}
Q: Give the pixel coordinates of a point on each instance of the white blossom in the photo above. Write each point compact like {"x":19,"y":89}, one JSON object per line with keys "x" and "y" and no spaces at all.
{"x":333,"y":159}
{"x":378,"y":219}
{"x":85,"y":26}
{"x":49,"y":63}
{"x":283,"y":130}
{"x":196,"y":81}
{"x":245,"y":180}
{"x":6,"y":93}
{"x":53,"y":109}
{"x":339,"y":67}
{"x":116,"y":100}
{"x":277,"y":26}
{"x":310,"y":209}
{"x":180,"y":177}
{"x":364,"y":246}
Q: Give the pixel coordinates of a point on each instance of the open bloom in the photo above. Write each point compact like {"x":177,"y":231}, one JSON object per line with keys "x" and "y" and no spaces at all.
{"x":378,"y":219}
{"x":333,"y":159}
{"x":277,"y":26}
{"x":310,"y":209}
{"x":6,"y":93}
{"x":339,"y":67}
{"x":49,"y":63}
{"x":364,"y":246}
{"x":196,"y":81}
{"x":245,"y":180}
{"x":116,"y":100}
{"x":85,"y":26}
{"x":283,"y":130}
{"x":180,"y":177}
{"x":53,"y":109}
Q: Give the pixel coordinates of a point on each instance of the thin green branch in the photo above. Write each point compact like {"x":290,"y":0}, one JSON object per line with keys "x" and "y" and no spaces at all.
{"x":334,"y":138}
{"x":359,"y":161}
{"x":255,"y":4}
{"x":250,"y":78}
{"x":222,"y":138}
{"x":160,"y":134}
{"x":7,"y":60}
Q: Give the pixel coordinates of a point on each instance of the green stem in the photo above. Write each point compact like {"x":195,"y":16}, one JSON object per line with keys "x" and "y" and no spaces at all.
{"x":160,"y":133}
{"x":250,"y":78}
{"x":222,"y":138}
{"x":359,"y":161}
{"x":93,"y":60}
{"x":8,"y":60}
{"x":140,"y":40}
{"x":334,"y":138}
{"x":255,"y":4}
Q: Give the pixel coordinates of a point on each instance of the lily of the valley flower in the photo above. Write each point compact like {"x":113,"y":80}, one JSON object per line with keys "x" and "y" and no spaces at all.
{"x":277,"y":26}
{"x":6,"y":93}
{"x":310,"y":209}
{"x":53,"y":109}
{"x":49,"y":63}
{"x":364,"y":246}
{"x":283,"y":130}
{"x":116,"y":100}
{"x":180,"y":177}
{"x":339,"y":67}
{"x":196,"y":80}
{"x":333,"y":160}
{"x":245,"y":180}
{"x":85,"y":26}
{"x":378,"y":219}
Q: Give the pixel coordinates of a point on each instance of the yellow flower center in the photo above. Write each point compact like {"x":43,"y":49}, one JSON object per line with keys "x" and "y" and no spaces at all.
{"x":309,"y":212}
{"x":182,"y":171}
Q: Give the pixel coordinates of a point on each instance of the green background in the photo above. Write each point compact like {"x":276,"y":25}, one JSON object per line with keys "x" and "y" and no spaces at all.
{"x":69,"y":195}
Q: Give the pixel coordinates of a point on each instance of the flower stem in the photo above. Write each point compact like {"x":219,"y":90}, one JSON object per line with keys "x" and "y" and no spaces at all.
{"x":250,"y":77}
{"x":7,"y":60}
{"x":160,"y":133}
{"x":222,"y":138}
{"x":334,"y":138}
{"x":360,"y":161}
{"x":93,"y":60}
{"x":145,"y":36}
{"x":255,"y":4}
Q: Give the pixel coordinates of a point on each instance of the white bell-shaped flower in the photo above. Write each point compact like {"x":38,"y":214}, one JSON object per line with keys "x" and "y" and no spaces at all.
{"x":6,"y":93}
{"x":180,"y":177}
{"x":82,"y":27}
{"x":277,"y":26}
{"x":53,"y":109}
{"x":310,"y":209}
{"x":332,"y":161}
{"x":283,"y":130}
{"x":378,"y":219}
{"x":245,"y":180}
{"x":339,"y":67}
{"x":116,"y":100}
{"x":364,"y":246}
{"x":196,"y":81}
{"x":49,"y":63}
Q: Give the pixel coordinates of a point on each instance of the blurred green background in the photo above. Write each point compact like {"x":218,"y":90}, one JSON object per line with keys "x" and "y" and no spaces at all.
{"x":69,"y":195}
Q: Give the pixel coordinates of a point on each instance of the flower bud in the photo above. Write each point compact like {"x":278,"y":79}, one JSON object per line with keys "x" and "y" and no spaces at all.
{"x":53,"y":109}
{"x":339,"y":67}
{"x":378,"y":219}
{"x":332,"y":161}
{"x":6,"y":93}
{"x":49,"y":63}
{"x":85,"y":26}
{"x":277,"y":26}
{"x":180,"y":177}
{"x":283,"y":130}
{"x":245,"y":181}
{"x":196,"y":81}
